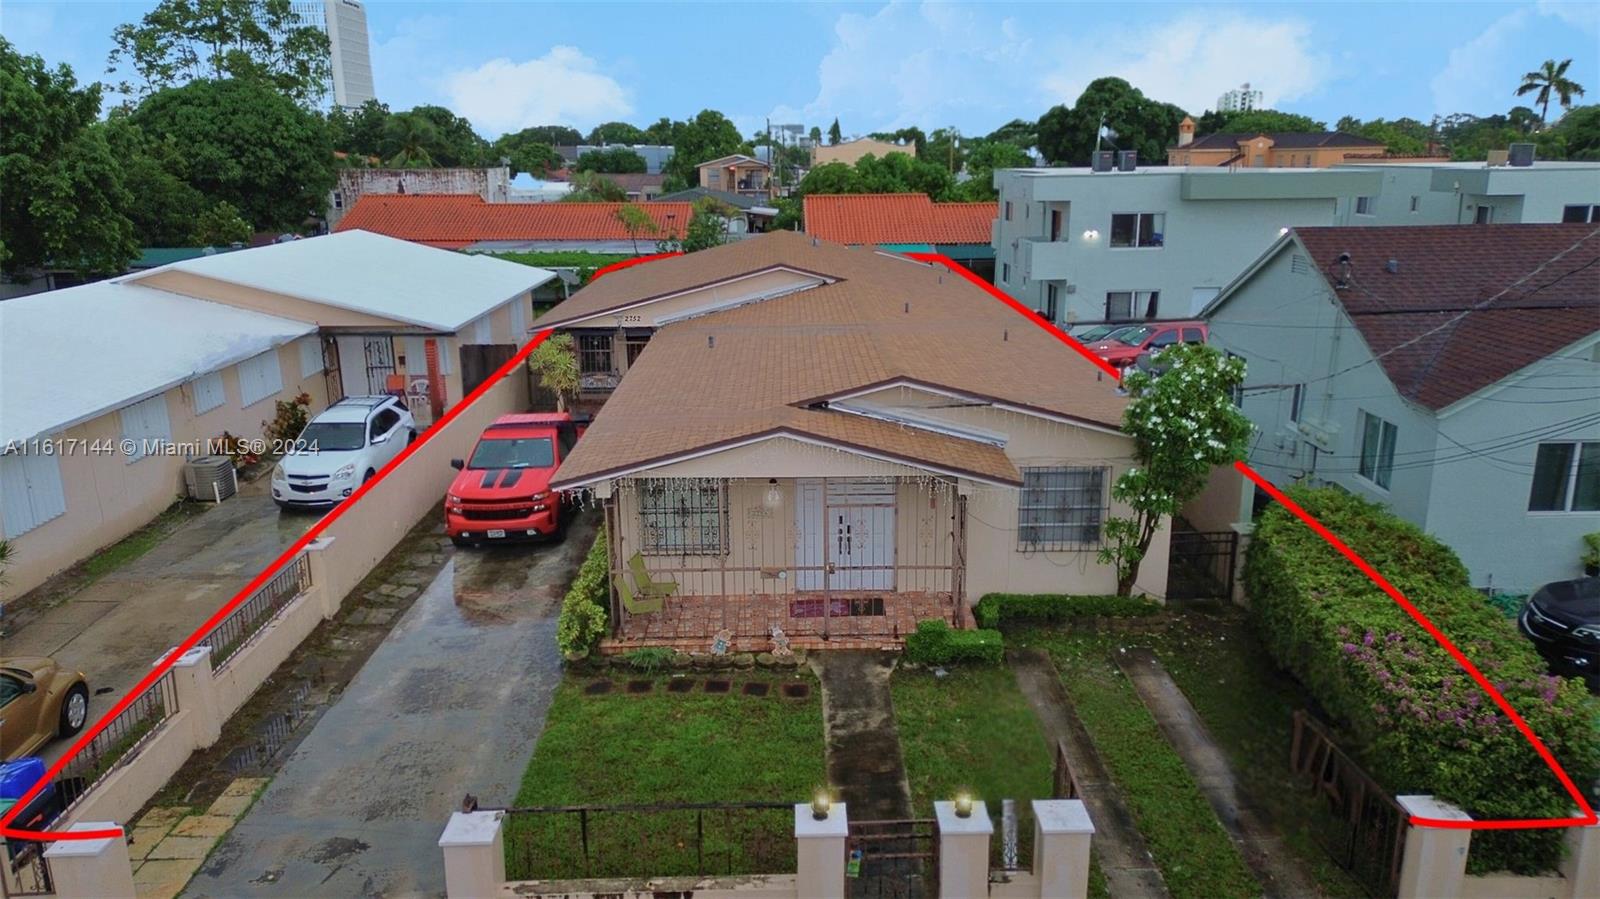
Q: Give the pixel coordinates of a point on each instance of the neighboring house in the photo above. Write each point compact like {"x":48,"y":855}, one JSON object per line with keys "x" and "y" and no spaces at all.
{"x":1278,"y":149}
{"x":1466,"y":193}
{"x":636,"y":186}
{"x":907,"y":223}
{"x":739,"y":174}
{"x":468,"y":223}
{"x":851,"y":151}
{"x":1451,"y":373}
{"x":751,"y":215}
{"x":86,"y":368}
{"x":1082,"y":246}
{"x":655,"y":155}
{"x":492,"y":184}
{"x":837,"y":441}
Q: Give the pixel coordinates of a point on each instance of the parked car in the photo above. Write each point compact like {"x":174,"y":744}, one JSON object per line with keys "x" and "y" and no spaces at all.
{"x":1124,"y":347}
{"x":40,"y":700}
{"x":503,"y":489}
{"x":340,"y":449}
{"x":1563,"y":620}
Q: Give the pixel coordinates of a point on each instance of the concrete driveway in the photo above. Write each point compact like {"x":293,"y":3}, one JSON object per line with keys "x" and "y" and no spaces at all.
{"x":450,"y":703}
{"x":115,"y":628}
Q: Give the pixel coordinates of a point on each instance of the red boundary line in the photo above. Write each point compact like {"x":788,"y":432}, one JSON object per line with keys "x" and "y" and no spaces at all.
{"x":1588,"y":818}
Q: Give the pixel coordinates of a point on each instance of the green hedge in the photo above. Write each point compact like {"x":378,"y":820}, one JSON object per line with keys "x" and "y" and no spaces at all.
{"x":996,"y":610}
{"x":583,"y":611}
{"x":937,"y":643}
{"x":1417,"y":722}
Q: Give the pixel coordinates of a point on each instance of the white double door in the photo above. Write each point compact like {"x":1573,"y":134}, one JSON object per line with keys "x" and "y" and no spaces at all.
{"x":845,"y":529}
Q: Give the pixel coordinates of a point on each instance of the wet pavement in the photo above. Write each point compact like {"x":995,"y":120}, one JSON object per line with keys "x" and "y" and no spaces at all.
{"x":115,"y":628}
{"x":451,"y":703}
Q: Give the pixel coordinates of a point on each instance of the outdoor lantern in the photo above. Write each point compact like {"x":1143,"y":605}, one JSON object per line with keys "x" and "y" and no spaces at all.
{"x":1091,"y":234}
{"x":774,"y":495}
{"x":820,"y":804}
{"x":963,"y":804}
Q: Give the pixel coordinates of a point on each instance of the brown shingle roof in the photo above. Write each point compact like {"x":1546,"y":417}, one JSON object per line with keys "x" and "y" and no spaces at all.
{"x":1282,"y":140}
{"x":1531,"y":290}
{"x":749,"y":371}
{"x":458,"y":220}
{"x":896,"y":218}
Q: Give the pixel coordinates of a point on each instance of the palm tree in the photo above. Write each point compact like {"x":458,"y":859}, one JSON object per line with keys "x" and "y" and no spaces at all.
{"x":1551,"y":78}
{"x":407,"y":137}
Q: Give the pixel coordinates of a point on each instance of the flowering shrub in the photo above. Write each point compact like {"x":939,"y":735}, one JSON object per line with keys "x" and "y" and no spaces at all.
{"x":1416,"y":720}
{"x":583,"y":611}
{"x":289,"y":419}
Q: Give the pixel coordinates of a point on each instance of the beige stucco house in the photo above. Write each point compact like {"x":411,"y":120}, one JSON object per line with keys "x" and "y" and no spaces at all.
{"x":839,"y":442}
{"x":851,"y":151}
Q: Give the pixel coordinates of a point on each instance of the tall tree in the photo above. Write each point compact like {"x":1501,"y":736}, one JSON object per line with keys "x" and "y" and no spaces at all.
{"x":245,"y":143}
{"x":661,"y":132}
{"x":554,"y":135}
{"x":616,"y":133}
{"x":535,"y":158}
{"x":409,"y":141}
{"x":1550,"y":80}
{"x":981,"y":164}
{"x":62,"y":198}
{"x":1067,"y":134}
{"x":220,"y":226}
{"x":458,"y":144}
{"x":707,"y":136}
{"x":612,"y":160}
{"x":183,"y":40}
{"x":816,"y":135}
{"x":359,"y":132}
{"x":944,"y":148}
{"x":1017,"y":132}
{"x":834,"y":134}
{"x":1579,"y":130}
{"x":593,"y":187}
{"x":635,"y":221}
{"x":163,"y":206}
{"x":1266,"y":121}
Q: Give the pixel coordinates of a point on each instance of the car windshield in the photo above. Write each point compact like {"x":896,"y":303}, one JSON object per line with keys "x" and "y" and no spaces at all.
{"x":327,"y":435}
{"x":514,"y":452}
{"x":1133,"y":336}
{"x":1098,"y":332}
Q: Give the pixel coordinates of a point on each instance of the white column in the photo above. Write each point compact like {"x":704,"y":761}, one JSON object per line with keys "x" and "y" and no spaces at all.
{"x":1581,"y":867}
{"x":322,"y":580}
{"x":474,"y":855}
{"x":963,"y":851}
{"x":1435,"y":862}
{"x":197,"y":695}
{"x":91,"y":869}
{"x":1062,"y":833}
{"x":820,"y":851}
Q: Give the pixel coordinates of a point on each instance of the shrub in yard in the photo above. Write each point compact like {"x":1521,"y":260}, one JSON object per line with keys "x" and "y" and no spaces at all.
{"x":937,"y":643}
{"x":649,"y":659}
{"x":583,"y":611}
{"x":996,"y":610}
{"x":289,"y":419}
{"x":1417,"y":722}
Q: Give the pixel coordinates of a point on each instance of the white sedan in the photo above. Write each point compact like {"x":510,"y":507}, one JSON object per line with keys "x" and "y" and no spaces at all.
{"x":341,"y":449}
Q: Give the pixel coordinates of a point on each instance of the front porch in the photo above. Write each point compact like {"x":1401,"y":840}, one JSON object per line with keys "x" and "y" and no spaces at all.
{"x":855,"y":619}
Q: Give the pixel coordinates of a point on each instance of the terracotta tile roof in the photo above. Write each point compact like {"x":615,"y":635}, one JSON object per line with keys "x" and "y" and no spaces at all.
{"x":756,"y":369}
{"x":458,"y":220}
{"x":1532,"y":289}
{"x":896,"y":218}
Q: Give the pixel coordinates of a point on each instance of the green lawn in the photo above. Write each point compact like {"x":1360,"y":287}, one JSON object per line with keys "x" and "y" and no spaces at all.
{"x":662,"y":747}
{"x":139,"y":542}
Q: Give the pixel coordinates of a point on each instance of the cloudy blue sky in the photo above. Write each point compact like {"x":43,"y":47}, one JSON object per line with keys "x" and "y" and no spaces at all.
{"x":878,"y":66}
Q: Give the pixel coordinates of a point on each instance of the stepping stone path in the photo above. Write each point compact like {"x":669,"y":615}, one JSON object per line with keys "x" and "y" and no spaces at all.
{"x":168,"y":843}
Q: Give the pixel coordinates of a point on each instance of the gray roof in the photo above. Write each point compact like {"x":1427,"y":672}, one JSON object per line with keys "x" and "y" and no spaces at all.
{"x":695,"y":193}
{"x":1282,"y":140}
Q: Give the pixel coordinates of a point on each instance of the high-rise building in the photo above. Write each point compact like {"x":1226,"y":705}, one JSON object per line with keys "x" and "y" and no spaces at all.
{"x":1242,"y":100}
{"x":345,"y":23}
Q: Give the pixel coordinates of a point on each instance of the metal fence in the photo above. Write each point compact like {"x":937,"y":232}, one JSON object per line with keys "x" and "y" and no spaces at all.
{"x":655,"y":840}
{"x":893,"y":859}
{"x":1366,"y":833}
{"x":120,"y":741}
{"x":28,"y":872}
{"x":233,"y":632}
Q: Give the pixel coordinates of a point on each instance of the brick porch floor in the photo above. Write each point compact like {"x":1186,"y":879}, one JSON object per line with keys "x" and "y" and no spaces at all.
{"x":688,"y":623}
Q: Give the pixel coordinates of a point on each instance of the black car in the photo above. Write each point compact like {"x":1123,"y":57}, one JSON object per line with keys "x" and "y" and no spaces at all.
{"x":1563,"y":620}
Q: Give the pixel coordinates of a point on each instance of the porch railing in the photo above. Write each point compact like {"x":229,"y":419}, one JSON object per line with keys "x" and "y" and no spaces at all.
{"x":120,"y":741}
{"x":233,"y":632}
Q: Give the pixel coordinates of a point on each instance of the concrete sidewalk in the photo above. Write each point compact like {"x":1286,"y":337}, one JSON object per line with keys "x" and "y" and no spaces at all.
{"x":115,"y":628}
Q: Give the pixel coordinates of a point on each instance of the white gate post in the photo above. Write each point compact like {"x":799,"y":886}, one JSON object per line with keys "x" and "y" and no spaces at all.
{"x":91,"y":869}
{"x":1062,"y":832}
{"x":1581,"y":867}
{"x":474,"y":855}
{"x":963,"y":850}
{"x":820,"y":851}
{"x":196,"y":691}
{"x":1435,"y":861}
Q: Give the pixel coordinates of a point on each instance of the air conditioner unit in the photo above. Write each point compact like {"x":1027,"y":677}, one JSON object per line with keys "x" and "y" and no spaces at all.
{"x":1520,"y":155}
{"x":1127,"y":160}
{"x":1103,"y":160}
{"x":210,"y":478}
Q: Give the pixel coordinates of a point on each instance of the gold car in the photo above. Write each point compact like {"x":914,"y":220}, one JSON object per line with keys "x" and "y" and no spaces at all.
{"x":39,"y":700}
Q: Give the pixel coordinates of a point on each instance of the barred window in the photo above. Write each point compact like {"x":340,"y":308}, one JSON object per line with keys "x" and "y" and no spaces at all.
{"x":683,"y":517}
{"x":594,"y":354}
{"x":1060,"y":508}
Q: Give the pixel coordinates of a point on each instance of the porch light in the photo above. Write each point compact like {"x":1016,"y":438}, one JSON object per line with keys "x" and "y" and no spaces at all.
{"x":963,"y":804}
{"x":1091,"y":234}
{"x":821,"y":804}
{"x":774,"y":495}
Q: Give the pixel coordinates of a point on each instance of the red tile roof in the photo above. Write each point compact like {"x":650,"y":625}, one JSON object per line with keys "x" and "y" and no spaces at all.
{"x":1468,"y":304}
{"x":896,"y":219}
{"x":455,"y":221}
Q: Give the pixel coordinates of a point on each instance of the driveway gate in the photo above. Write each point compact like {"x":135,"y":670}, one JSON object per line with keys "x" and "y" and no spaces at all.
{"x":893,"y":859}
{"x":1202,"y":563}
{"x":1367,"y":832}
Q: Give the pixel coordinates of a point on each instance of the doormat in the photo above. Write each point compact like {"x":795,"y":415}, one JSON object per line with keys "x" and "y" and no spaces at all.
{"x":840,"y":607}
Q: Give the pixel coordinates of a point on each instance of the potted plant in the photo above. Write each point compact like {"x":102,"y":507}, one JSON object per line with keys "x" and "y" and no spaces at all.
{"x":1591,"y":554}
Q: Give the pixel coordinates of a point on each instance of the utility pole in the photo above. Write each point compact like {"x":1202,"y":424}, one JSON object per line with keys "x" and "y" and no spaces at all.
{"x":1099,"y":131}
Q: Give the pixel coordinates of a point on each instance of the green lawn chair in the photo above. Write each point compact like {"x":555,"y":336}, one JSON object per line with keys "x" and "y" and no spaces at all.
{"x":637,"y":605}
{"x":647,"y":586}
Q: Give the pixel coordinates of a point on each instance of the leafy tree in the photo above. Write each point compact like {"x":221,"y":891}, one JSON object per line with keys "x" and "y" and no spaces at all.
{"x":163,"y":206}
{"x":555,"y":364}
{"x":911,"y":136}
{"x":62,"y":197}
{"x":1579,"y":129}
{"x":981,"y":164}
{"x":830,"y":178}
{"x":1550,"y":80}
{"x":1067,"y":134}
{"x":944,"y":148}
{"x":902,"y":173}
{"x":708,"y":226}
{"x":1266,"y":121}
{"x":1523,"y":119}
{"x":707,"y":136}
{"x":554,"y":135}
{"x":1183,"y":423}
{"x":457,"y":144}
{"x":245,"y":143}
{"x":834,"y":134}
{"x":359,"y":132}
{"x":661,"y":132}
{"x":671,"y":184}
{"x":409,"y":141}
{"x":183,"y":40}
{"x":537,"y":159}
{"x":1017,"y":132}
{"x":220,"y":226}
{"x":593,"y":187}
{"x":616,"y":133}
{"x":612,"y":160}
{"x":635,"y":221}
{"x":816,"y":135}
{"x":1403,"y":136}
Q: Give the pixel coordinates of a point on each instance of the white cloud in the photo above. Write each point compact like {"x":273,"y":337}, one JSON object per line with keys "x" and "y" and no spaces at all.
{"x":1473,"y":70}
{"x":563,"y":86}
{"x":1585,"y":16}
{"x":1194,"y":59}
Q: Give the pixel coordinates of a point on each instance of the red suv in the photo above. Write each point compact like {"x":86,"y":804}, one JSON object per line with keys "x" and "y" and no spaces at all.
{"x":503,"y":491}
{"x":1123,"y":349}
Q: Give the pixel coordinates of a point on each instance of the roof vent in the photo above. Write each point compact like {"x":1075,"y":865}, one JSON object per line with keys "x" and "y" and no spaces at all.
{"x":711,"y":341}
{"x":1392,"y":266}
{"x":1341,"y":276}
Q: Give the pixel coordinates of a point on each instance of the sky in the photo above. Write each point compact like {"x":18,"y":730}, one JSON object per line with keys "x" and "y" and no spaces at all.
{"x":882,"y":66}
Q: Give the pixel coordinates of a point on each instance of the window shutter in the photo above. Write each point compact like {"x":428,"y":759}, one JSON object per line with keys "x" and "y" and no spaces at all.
{"x":30,"y":492}
{"x":209,"y":392}
{"x":310,"y":355}
{"x":145,"y":421}
{"x":519,"y":320}
{"x":260,"y":377}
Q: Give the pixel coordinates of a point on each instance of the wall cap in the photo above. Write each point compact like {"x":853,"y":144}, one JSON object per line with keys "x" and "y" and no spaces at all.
{"x":85,"y":848}
{"x":1062,"y":816}
{"x":977,"y":824}
{"x":471,"y":829}
{"x":836,"y":825}
{"x":1431,"y":807}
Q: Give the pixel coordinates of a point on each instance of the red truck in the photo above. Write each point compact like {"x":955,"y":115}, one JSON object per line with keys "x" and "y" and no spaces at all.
{"x":503,"y":489}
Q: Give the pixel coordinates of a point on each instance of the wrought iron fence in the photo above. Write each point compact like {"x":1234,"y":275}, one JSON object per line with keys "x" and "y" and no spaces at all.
{"x":28,"y":873}
{"x":120,"y":741}
{"x":1203,"y":564}
{"x":1366,"y":833}
{"x":255,"y":613}
{"x":649,"y":840}
{"x":893,"y":859}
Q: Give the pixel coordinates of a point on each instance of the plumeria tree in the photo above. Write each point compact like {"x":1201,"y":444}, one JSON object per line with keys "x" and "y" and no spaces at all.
{"x":556,"y":366}
{"x":1184,"y":424}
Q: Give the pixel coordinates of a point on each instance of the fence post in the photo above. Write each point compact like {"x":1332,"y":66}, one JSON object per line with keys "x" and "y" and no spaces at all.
{"x":1435,"y":860}
{"x":1062,"y":832}
{"x":321,"y":577}
{"x":1581,"y":867}
{"x":820,"y":851}
{"x":963,"y":850}
{"x":196,"y":692}
{"x":91,"y":869}
{"x":474,"y":855}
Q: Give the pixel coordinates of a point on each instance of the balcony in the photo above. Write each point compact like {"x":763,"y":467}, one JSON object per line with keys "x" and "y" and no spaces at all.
{"x":1046,"y":260}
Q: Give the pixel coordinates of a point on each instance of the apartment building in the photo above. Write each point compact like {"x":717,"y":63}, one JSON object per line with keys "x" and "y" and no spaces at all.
{"x":349,"y":47}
